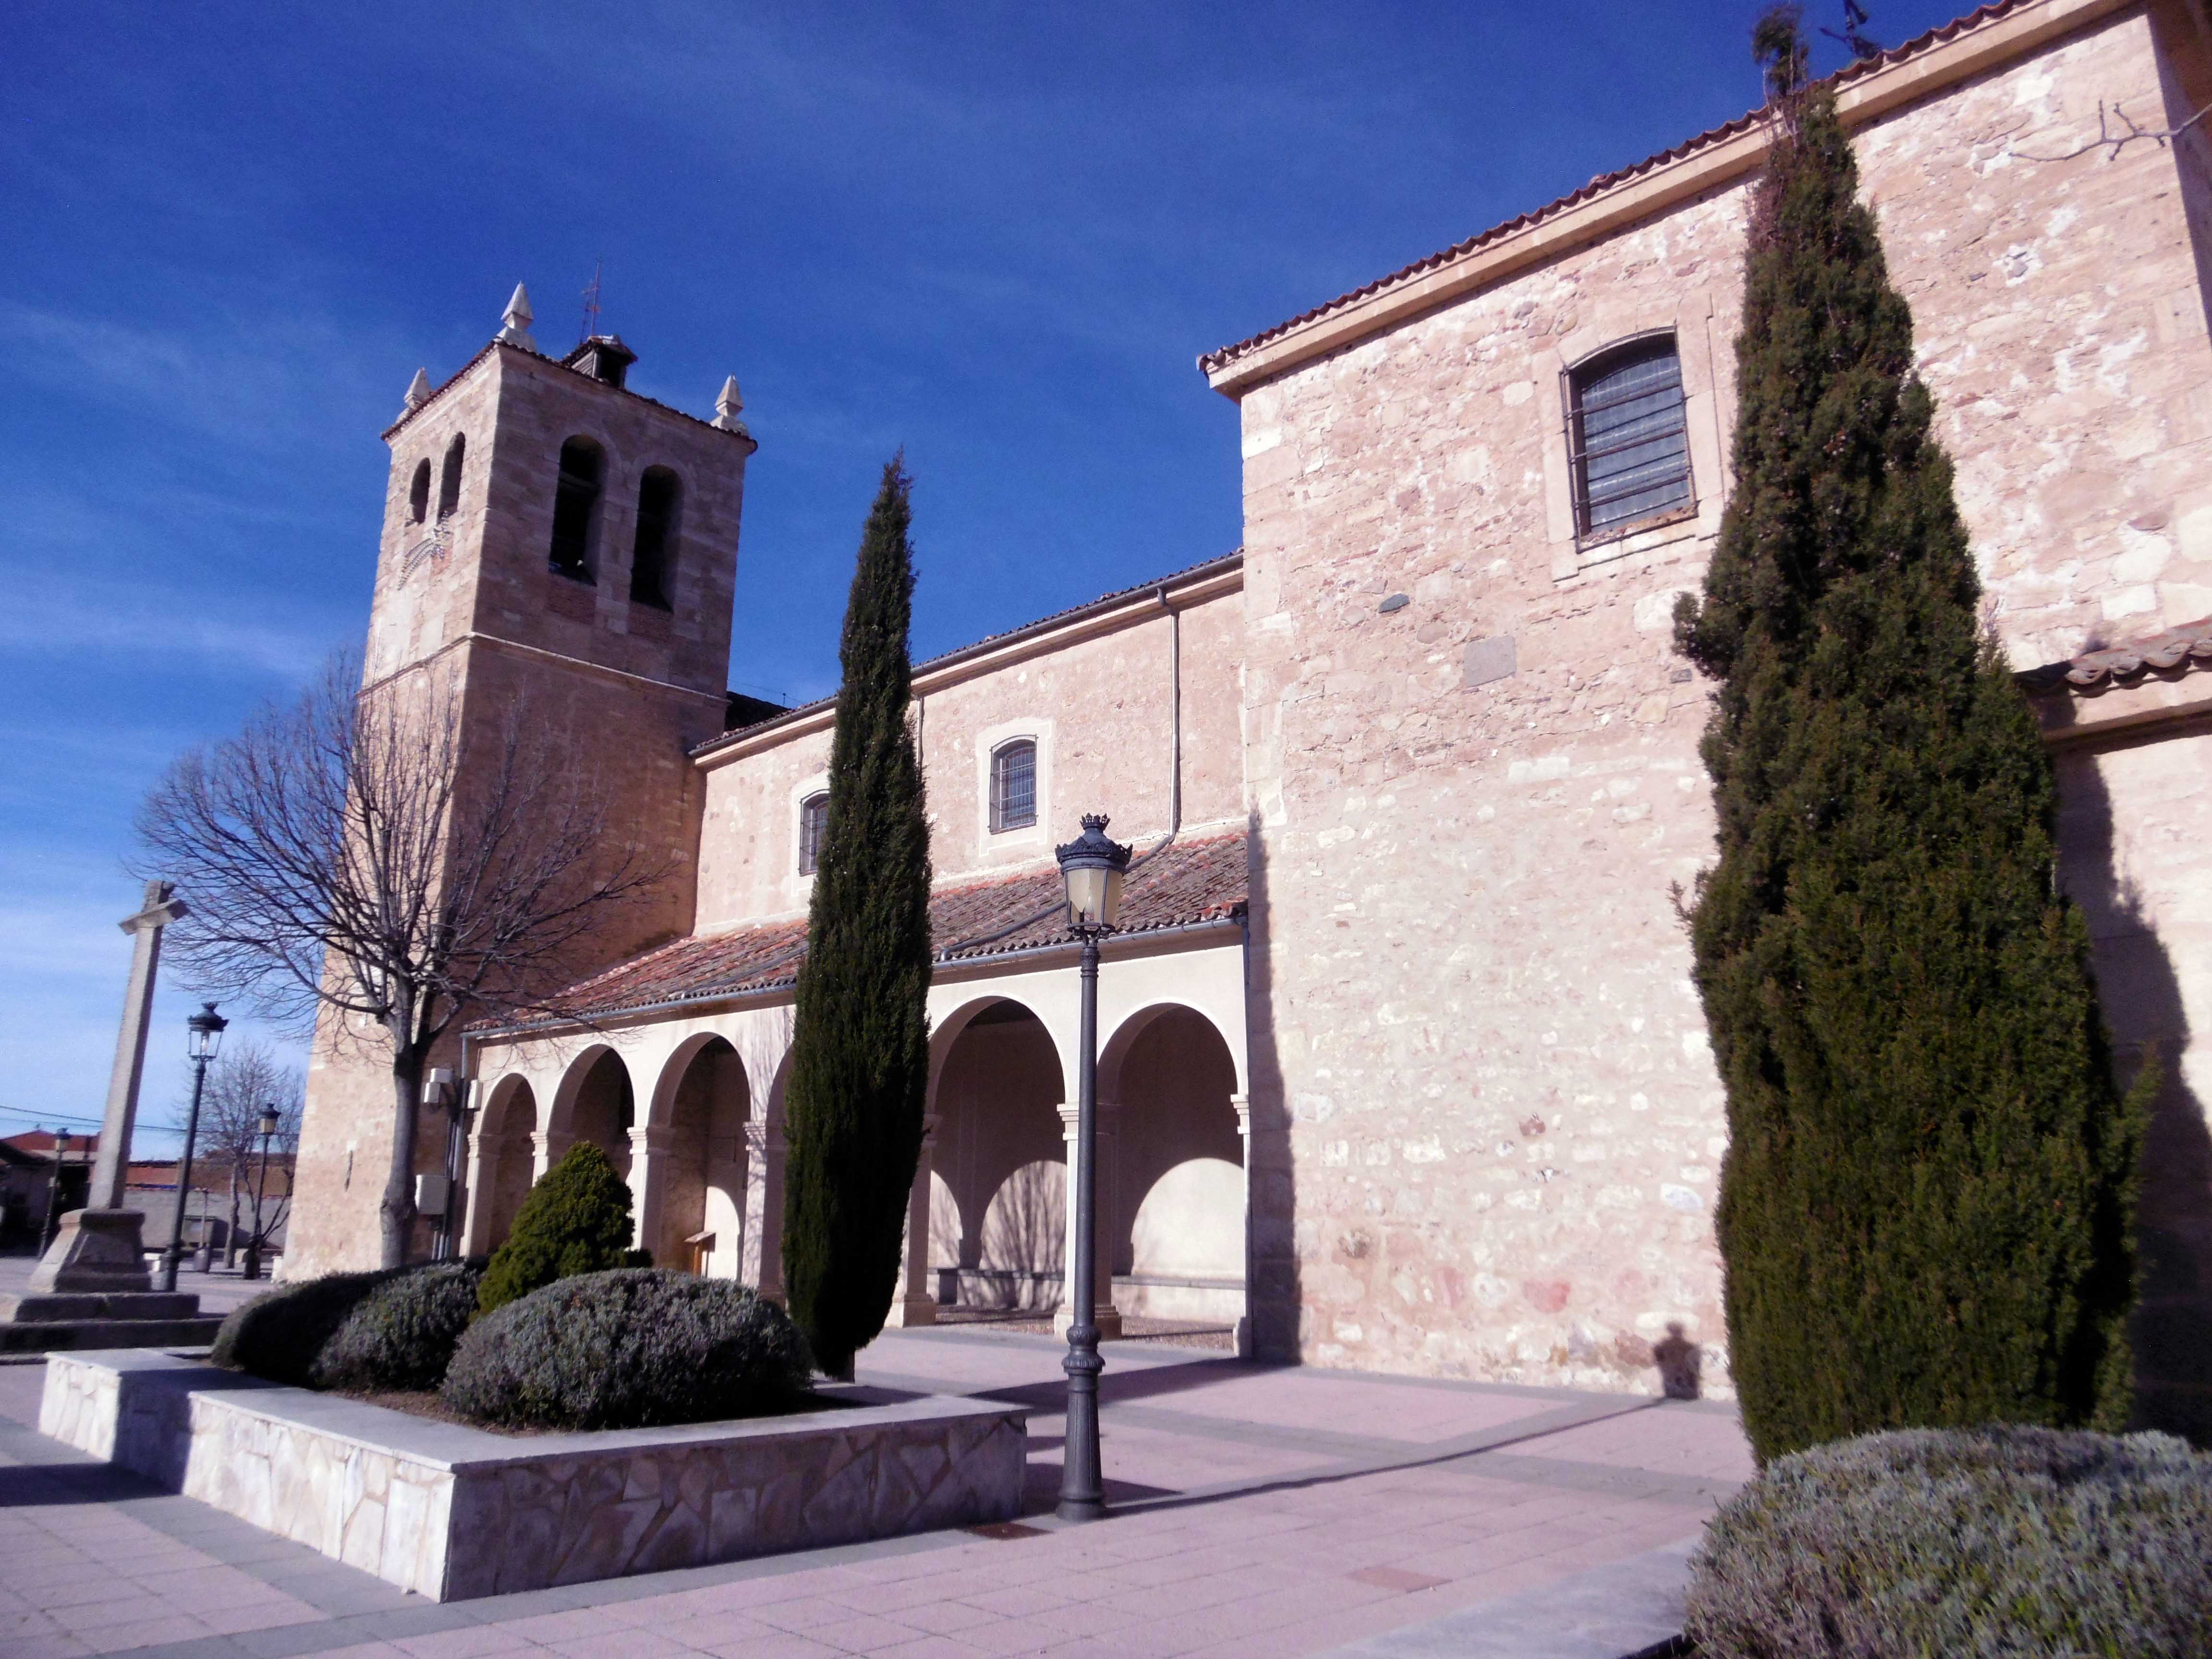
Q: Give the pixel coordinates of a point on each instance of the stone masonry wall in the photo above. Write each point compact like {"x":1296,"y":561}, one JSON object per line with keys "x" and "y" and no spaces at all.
{"x":1099,"y":711}
{"x":1487,"y":1126}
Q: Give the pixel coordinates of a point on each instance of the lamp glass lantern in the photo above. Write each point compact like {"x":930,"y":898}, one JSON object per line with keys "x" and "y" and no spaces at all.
{"x":268,"y":1121}
{"x":206,"y":1028}
{"x":1093,"y":868}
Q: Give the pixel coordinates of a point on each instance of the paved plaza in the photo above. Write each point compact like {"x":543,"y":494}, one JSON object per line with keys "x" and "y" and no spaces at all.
{"x":1258,"y":1510}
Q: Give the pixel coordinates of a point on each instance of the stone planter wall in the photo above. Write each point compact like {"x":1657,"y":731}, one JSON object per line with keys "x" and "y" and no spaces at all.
{"x":453,"y":1512}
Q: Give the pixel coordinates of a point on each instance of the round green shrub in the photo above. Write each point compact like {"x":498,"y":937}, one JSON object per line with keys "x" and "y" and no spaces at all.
{"x":401,"y":1334}
{"x":281,"y":1333}
{"x":1963,"y":1544}
{"x":626,"y":1349}
{"x":575,"y":1220}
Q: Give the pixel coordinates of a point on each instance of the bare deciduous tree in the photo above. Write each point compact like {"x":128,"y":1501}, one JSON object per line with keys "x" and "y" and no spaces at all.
{"x":360,"y":863}
{"x":246,"y":1078}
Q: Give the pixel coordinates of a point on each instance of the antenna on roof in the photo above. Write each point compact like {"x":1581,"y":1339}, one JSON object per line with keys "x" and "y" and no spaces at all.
{"x":592,"y":302}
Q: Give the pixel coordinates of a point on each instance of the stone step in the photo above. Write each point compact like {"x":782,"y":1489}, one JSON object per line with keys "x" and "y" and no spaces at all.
{"x":65,"y":1307}
{"x":49,"y":1337}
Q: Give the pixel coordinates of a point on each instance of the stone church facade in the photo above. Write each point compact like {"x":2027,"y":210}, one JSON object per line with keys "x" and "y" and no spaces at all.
{"x":1401,"y":1064}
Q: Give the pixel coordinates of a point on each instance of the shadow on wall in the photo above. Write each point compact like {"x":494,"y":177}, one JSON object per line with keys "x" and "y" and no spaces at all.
{"x":1275,"y":1294}
{"x":2141,"y":994}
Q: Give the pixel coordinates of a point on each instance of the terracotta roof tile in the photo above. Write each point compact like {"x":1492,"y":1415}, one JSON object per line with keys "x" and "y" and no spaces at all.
{"x":1186,"y":883}
{"x":1210,"y":362}
{"x":2165,"y":656}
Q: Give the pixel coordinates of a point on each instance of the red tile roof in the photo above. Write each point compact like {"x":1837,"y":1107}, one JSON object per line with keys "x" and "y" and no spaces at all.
{"x":1210,"y":362}
{"x":1187,"y":883}
{"x":2166,"y":656}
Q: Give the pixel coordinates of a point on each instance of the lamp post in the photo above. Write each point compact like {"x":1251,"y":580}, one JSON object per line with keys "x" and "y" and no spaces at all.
{"x":268,"y":1127}
{"x":207,"y":1029}
{"x":1093,"y":867}
{"x":54,"y":1190}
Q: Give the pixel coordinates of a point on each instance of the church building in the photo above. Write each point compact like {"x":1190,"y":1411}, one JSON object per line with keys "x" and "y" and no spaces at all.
{"x":1402,"y":1067}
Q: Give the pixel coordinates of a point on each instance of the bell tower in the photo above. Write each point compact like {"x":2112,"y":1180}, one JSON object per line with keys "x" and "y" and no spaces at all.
{"x":556,"y":541}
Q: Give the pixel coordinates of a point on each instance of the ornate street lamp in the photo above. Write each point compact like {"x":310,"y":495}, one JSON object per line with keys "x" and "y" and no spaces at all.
{"x":206,"y":1028}
{"x":268,"y":1128}
{"x":1093,"y":867}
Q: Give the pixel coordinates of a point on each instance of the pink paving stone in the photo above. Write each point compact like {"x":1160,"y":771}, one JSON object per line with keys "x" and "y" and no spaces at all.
{"x":929,"y":1647}
{"x":775,"y":1645}
{"x":1397,"y":1578}
{"x":477,"y":1641}
{"x":624,"y":1645}
{"x":947,"y":1618}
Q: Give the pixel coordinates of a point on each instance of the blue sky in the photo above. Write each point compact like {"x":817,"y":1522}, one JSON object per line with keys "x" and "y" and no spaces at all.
{"x":998,"y":235}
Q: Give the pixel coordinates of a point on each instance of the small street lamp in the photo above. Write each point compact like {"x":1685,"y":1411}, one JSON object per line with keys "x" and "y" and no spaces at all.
{"x":1093,"y":867}
{"x":54,"y":1190}
{"x":206,"y":1028}
{"x":268,"y":1127}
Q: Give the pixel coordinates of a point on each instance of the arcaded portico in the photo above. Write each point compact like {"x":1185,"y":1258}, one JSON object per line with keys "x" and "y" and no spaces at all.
{"x":665,"y":1081}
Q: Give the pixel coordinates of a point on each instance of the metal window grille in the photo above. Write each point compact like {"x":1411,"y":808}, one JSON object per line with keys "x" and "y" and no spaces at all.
{"x":1013,"y":786}
{"x":813,"y":819}
{"x":1629,"y":433}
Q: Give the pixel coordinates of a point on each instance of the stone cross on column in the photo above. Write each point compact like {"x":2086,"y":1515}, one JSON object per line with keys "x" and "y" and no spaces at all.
{"x":98,"y":1248}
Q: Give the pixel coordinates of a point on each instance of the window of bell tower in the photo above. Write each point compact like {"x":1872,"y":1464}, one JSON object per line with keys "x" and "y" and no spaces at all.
{"x":575,"y":510}
{"x":418,"y":494}
{"x":656,"y":534}
{"x":449,"y":478}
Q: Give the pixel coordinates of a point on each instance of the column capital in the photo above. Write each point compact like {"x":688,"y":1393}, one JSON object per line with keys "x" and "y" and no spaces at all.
{"x":1242,"y":1104}
{"x":652,"y":1137}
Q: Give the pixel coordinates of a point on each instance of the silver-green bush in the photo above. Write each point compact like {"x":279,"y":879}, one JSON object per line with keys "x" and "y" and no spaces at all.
{"x":281,"y":1333}
{"x":1963,"y":1544}
{"x":401,"y":1334}
{"x":627,"y":1348}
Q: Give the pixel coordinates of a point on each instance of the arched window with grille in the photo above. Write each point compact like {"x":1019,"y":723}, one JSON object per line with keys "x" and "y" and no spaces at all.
{"x":1014,"y":785}
{"x":575,"y":509}
{"x":649,"y":572}
{"x":813,"y":820}
{"x":1629,"y":432}
{"x":449,"y":478}
{"x":418,"y":494}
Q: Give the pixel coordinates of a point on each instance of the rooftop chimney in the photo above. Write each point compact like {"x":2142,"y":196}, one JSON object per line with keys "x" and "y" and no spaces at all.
{"x":604,"y":357}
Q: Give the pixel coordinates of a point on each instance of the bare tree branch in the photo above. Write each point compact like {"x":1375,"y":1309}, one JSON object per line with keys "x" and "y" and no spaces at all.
{"x":2113,"y":141}
{"x":365,"y":856}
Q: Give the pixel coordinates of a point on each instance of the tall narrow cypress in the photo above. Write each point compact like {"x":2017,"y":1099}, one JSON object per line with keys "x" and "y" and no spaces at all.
{"x":1925,"y":1209}
{"x":859,"y":1059}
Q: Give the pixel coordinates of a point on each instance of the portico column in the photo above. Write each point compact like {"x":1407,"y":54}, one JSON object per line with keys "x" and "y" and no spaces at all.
{"x":1109,"y":1317}
{"x":650,"y":1144}
{"x":547,"y":1147}
{"x":917,"y":1303}
{"x":1243,"y":1105}
{"x":484,"y":1173}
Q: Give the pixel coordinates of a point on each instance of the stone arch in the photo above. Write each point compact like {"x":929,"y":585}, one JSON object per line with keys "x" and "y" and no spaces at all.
{"x":595,"y":1101}
{"x":505,"y":1156}
{"x":999,"y":1223}
{"x":693,"y":1212}
{"x":1177,"y":1212}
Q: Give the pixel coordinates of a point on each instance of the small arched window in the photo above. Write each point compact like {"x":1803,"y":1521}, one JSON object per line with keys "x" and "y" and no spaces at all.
{"x":449,"y":478}
{"x":1629,"y":430}
{"x":656,"y":538}
{"x":813,"y":820}
{"x":1013,"y":785}
{"x":575,"y":509}
{"x":418,"y":494}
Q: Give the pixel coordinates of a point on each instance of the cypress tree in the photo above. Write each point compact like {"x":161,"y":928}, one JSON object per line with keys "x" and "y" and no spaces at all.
{"x":860,"y":1059}
{"x":1925,"y":1209}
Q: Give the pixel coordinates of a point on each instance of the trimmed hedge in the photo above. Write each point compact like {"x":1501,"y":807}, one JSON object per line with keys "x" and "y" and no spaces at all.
{"x":401,"y":1334}
{"x":575,"y":1220}
{"x":394,"y":1328}
{"x":1963,"y":1544}
{"x":628,"y":1349}
{"x":281,"y":1333}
